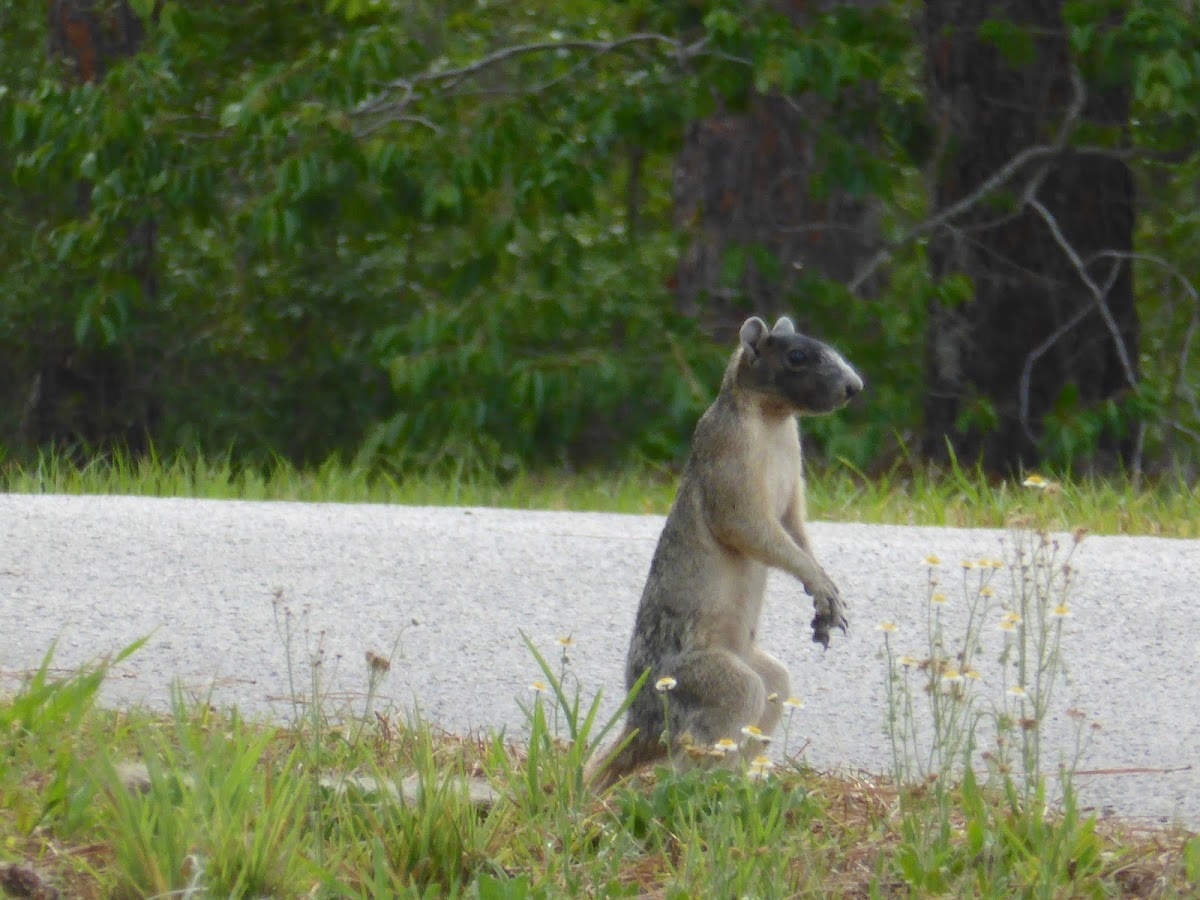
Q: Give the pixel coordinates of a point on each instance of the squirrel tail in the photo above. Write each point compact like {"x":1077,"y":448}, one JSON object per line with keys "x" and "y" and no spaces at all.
{"x":624,"y":757}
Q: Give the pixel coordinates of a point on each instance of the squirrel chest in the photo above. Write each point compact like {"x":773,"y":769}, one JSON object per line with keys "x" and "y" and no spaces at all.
{"x":779,"y":467}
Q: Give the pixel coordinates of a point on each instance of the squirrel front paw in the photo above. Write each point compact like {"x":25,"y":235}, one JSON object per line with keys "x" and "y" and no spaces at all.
{"x":830,"y":613}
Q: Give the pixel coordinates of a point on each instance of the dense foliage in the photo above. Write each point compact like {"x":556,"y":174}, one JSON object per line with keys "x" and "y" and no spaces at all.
{"x":401,"y":230}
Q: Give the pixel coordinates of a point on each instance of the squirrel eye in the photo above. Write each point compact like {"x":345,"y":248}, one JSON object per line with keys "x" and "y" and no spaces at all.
{"x":796,"y":357}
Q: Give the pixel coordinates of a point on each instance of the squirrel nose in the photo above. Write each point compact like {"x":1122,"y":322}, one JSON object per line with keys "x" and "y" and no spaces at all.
{"x":853,"y":388}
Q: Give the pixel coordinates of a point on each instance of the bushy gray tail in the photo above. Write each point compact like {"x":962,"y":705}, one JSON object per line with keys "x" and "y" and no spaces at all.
{"x":625,"y":756}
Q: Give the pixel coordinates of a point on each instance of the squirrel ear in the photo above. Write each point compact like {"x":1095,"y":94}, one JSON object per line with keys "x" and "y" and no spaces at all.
{"x":753,"y":333}
{"x":784,"y":326}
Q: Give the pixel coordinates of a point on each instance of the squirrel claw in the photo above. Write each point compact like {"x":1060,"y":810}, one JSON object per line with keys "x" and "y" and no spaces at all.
{"x":824,"y":619}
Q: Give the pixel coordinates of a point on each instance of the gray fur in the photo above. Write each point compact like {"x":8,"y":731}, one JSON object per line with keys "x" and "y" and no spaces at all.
{"x":739,"y":511}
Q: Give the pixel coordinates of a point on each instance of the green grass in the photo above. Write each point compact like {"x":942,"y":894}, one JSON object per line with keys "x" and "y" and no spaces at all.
{"x":237,"y":808}
{"x":233,"y":808}
{"x":904,"y":495}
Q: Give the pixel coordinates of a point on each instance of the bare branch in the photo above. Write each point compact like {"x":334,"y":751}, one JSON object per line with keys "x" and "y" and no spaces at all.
{"x":1189,"y":335}
{"x":989,"y":185}
{"x":392,"y":103}
{"x":1034,"y":355}
{"x":1100,"y":296}
{"x":1135,"y":154}
{"x":1041,"y":349}
{"x":1172,"y":269}
{"x":507,"y":53}
{"x":1181,"y":366}
{"x":683,"y":55}
{"x":1120,"y":257}
{"x":1097,"y":294}
{"x":378,"y":105}
{"x":383,"y":121}
{"x":1183,"y":429}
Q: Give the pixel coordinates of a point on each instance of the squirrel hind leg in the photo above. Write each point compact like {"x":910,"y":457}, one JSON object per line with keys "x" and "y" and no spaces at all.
{"x":718,"y":695}
{"x":778,"y":684}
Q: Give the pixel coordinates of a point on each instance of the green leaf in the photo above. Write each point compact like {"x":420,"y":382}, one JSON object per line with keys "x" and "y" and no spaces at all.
{"x":733,"y":265}
{"x":232,"y":115}
{"x":954,"y":290}
{"x":108,"y":330}
{"x":1191,"y":858}
{"x":83,"y":323}
{"x":1014,"y":42}
{"x":723,"y":23}
{"x":909,"y":862}
{"x":1177,"y":72}
{"x":350,"y":9}
{"x":492,"y":887}
{"x":143,"y":8}
{"x":64,"y":243}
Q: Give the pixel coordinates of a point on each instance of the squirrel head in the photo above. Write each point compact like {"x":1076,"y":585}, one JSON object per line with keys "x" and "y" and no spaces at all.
{"x":800,"y":373}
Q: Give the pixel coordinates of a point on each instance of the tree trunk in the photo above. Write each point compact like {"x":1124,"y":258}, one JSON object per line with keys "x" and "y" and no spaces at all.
{"x":743,"y":195}
{"x":88,"y":395}
{"x":741,"y":185}
{"x":90,"y":34}
{"x":1034,"y":336}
